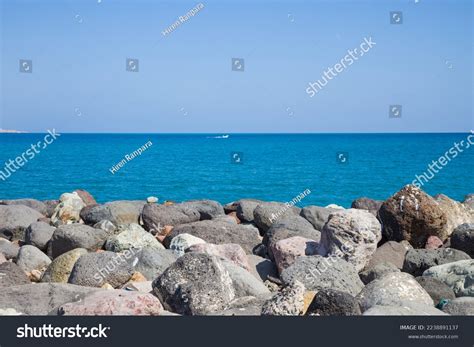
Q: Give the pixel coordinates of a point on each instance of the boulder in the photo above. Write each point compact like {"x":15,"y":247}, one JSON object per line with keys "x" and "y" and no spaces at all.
{"x":31,"y":203}
{"x":152,"y":262}
{"x":106,"y":226}
{"x":367,"y":204}
{"x":329,"y":302}
{"x":60,"y":268}
{"x":419,"y":260}
{"x":10,"y":312}
{"x":460,"y":307}
{"x":286,"y":251}
{"x":456,"y":212}
{"x":377,"y":271}
{"x":97,"y":269}
{"x":218,"y":232}
{"x":267,"y":213}
{"x":181,"y":242}
{"x":261,"y":267}
{"x":38,"y":234}
{"x":247,"y":306}
{"x":69,"y":237}
{"x":117,"y":212}
{"x":458,"y":276}
{"x":11,"y":275}
{"x":244,"y":283}
{"x":14,"y":219}
{"x":130,"y":236}
{"x":352,"y":235}
{"x":288,"y":302}
{"x":40,"y":299}
{"x":288,"y":227}
{"x":414,"y":216}
{"x":244,"y":209}
{"x":86,"y":197}
{"x":157,"y":216}
{"x":9,"y":249}
{"x":317,"y":273}
{"x":463,"y":238}
{"x":393,"y":289}
{"x":50,"y":207}
{"x":230,"y":251}
{"x":31,"y":258}
{"x":208,"y":209}
{"x":195,"y":284}
{"x":435,"y":288}
{"x":410,"y":309}
{"x":317,"y":216}
{"x":390,"y":252}
{"x":433,"y":242}
{"x":68,"y":210}
{"x":113,"y":303}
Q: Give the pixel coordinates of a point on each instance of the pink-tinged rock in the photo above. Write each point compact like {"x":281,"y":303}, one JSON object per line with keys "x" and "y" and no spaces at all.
{"x":2,"y":258}
{"x":86,"y":197}
{"x":231,"y":251}
{"x":286,"y":251}
{"x":433,"y":242}
{"x":114,"y":303}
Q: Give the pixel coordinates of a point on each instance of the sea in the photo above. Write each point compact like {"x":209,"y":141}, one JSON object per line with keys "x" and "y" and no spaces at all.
{"x":335,"y":168}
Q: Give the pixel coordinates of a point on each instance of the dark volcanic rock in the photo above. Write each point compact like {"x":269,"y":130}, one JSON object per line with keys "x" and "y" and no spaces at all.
{"x":436,"y":289}
{"x":195,"y":284}
{"x":245,"y":208}
{"x":38,"y":234}
{"x":14,"y":219}
{"x":208,"y":209}
{"x":412,"y":215}
{"x":463,"y":239}
{"x":370,"y":205}
{"x":219,"y":232}
{"x":419,"y":260}
{"x":11,"y":275}
{"x":377,"y":271}
{"x":330,"y":302}
{"x":268,"y":213}
{"x":69,"y":237}
{"x":156,"y":216}
{"x":317,"y":216}
{"x":96,"y":269}
{"x":317,"y":273}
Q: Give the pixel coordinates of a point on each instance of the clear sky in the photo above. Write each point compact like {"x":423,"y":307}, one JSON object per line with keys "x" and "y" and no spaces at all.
{"x":185,"y":82}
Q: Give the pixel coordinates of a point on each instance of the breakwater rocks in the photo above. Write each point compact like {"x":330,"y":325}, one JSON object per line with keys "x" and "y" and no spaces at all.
{"x":408,"y":255}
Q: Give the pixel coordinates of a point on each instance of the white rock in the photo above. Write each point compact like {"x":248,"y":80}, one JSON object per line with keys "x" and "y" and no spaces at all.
{"x":68,"y":210}
{"x":182,"y":242}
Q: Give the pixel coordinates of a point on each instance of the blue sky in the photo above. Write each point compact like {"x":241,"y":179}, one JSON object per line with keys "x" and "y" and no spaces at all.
{"x":185,"y":82}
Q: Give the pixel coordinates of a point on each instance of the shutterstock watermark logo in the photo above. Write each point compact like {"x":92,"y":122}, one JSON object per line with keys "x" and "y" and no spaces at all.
{"x":332,"y":72}
{"x":48,"y":331}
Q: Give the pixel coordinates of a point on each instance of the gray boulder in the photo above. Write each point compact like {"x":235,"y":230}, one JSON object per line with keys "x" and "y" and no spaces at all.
{"x":208,"y":209}
{"x":262,"y":267}
{"x":268,"y":213}
{"x":41,"y":298}
{"x":97,"y":269}
{"x":14,"y":219}
{"x":317,"y":273}
{"x":38,"y":234}
{"x":393,"y":289}
{"x":390,"y":252}
{"x":31,"y":203}
{"x":156,"y":216}
{"x":245,"y":208}
{"x":458,"y":276}
{"x":195,"y":284}
{"x":317,"y":216}
{"x":410,"y":309}
{"x":152,"y":262}
{"x":244,"y":283}
{"x":377,"y":271}
{"x":71,"y":236}
{"x":463,"y":238}
{"x":11,"y":275}
{"x":419,"y":260}
{"x":31,"y":258}
{"x":460,"y":306}
{"x":117,"y":212}
{"x":329,"y":302}
{"x":436,"y":289}
{"x":352,"y":235}
{"x":367,"y":204}
{"x":9,"y":249}
{"x":218,"y":232}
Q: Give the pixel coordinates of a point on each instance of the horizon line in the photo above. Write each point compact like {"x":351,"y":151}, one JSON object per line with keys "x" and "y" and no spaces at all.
{"x":237,"y":133}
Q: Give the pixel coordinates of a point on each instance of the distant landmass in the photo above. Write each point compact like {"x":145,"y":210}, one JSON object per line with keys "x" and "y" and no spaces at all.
{"x":6,"y":131}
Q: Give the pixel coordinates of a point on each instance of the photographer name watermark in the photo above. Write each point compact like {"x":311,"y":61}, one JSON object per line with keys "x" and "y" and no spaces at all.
{"x":129,"y":157}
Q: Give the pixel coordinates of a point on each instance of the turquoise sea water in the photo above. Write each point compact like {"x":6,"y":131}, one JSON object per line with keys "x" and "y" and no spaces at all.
{"x":272,"y":167}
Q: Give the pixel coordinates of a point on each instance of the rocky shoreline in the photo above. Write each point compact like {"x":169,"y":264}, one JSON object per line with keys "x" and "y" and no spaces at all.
{"x":408,"y":255}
